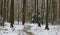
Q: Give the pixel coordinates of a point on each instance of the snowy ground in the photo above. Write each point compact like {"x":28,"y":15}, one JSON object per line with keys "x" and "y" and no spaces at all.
{"x":29,"y":29}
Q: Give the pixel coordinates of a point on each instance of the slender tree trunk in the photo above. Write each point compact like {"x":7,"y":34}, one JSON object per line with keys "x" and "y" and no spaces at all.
{"x":37,"y":13}
{"x":4,"y":12}
{"x":1,"y":7}
{"x":47,"y":17}
{"x":51,"y":9}
{"x":59,"y":8}
{"x":18,"y":11}
{"x":23,"y":17}
{"x":42,"y":11}
{"x":7,"y":10}
{"x":12,"y":13}
{"x":2,"y":23}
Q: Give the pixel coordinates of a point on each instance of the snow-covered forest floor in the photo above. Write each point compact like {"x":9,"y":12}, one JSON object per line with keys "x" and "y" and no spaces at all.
{"x":29,"y":29}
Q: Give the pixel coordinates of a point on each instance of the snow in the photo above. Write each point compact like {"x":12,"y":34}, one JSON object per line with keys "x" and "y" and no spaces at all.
{"x":29,"y":29}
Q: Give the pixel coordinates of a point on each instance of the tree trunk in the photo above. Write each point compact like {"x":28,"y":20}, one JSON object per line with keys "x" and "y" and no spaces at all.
{"x":47,"y":17}
{"x":12,"y":13}
{"x":1,"y":23}
{"x":23,"y":17}
{"x":42,"y":11}
{"x":37,"y":13}
{"x":59,"y":8}
{"x":18,"y":11}
{"x":8,"y":11}
{"x":4,"y":11}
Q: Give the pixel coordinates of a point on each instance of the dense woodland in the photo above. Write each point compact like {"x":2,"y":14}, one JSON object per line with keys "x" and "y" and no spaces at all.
{"x":36,"y":11}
